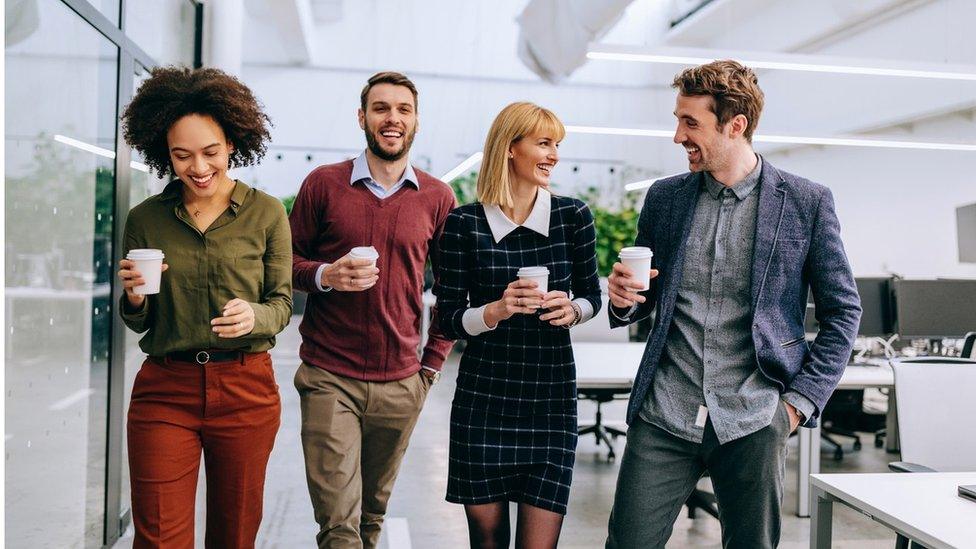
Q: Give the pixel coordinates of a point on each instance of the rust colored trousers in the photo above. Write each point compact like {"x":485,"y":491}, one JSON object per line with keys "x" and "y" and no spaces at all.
{"x":229,"y":411}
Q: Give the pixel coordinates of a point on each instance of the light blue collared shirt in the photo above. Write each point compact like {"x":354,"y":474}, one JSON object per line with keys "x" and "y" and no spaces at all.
{"x":360,"y":172}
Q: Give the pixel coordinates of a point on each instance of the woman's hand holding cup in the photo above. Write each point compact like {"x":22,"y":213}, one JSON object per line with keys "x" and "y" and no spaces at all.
{"x":131,"y":277}
{"x":521,"y":296}
{"x":560,"y":309}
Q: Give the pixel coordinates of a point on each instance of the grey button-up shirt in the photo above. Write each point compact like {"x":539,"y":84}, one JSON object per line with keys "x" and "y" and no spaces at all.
{"x":709,"y":358}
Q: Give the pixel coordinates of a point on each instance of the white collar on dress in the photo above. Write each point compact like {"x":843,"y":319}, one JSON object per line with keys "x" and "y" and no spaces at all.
{"x":538,"y":219}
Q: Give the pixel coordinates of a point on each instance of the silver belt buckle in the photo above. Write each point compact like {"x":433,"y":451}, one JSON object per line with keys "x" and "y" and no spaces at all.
{"x":203,"y":357}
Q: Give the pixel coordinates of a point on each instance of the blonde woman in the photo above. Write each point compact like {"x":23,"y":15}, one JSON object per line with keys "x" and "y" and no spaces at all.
{"x":513,"y":421}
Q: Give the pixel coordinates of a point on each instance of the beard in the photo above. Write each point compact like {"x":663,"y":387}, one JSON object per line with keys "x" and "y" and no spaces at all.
{"x":375,"y":148}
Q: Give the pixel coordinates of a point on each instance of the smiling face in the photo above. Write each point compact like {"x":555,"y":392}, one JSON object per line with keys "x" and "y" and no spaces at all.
{"x":709,"y":146}
{"x":390,"y":121}
{"x":200,"y":154}
{"x":533,"y":157}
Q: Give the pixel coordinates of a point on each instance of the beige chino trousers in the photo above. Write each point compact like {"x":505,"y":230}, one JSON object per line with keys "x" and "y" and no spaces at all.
{"x":354,"y":435}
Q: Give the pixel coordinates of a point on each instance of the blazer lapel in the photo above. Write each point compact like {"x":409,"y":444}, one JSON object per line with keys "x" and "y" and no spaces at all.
{"x":768,"y":219}
{"x":682,"y":215}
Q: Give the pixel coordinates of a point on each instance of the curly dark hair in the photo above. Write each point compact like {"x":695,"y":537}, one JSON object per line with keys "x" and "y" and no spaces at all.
{"x":174,"y":92}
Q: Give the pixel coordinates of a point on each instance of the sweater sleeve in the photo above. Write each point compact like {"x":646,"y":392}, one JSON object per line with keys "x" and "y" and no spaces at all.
{"x":304,"y":220}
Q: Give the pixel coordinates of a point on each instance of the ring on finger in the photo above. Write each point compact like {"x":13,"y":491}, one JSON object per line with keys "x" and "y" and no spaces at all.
{"x":518,"y":302}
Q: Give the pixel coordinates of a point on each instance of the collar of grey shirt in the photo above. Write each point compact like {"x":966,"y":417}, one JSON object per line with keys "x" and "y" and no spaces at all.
{"x":742,"y":188}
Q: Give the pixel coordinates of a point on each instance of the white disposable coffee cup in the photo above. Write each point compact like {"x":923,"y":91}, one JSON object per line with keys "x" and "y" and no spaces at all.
{"x":539,"y":274}
{"x":638,"y":258}
{"x":149,"y":263}
{"x":365,"y":252}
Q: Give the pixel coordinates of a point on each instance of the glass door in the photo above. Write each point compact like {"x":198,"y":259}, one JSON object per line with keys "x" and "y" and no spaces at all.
{"x":60,"y":142}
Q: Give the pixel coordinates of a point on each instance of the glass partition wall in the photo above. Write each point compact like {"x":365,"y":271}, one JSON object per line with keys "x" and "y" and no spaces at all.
{"x":69,"y":181}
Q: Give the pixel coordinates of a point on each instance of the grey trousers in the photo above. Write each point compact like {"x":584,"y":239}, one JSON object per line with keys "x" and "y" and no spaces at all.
{"x":659,"y":471}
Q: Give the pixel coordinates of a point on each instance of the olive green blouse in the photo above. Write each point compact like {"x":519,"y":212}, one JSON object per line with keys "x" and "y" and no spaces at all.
{"x":245,"y":253}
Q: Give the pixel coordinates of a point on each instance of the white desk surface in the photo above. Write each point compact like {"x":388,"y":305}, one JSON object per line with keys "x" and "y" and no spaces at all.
{"x":607,"y":364}
{"x":924,"y":506}
{"x":616,"y":364}
{"x":858,"y":376}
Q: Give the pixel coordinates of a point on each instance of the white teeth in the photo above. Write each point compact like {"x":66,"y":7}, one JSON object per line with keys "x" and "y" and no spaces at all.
{"x":391,"y":134}
{"x":202,"y":179}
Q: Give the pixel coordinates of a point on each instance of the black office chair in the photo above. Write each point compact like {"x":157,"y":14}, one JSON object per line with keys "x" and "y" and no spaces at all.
{"x":700,"y":499}
{"x":968,"y":345}
{"x":839,"y":419}
{"x":604,"y":433}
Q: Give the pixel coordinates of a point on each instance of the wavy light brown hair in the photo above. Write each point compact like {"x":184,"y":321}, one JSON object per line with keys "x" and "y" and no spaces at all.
{"x":733,"y":87}
{"x":171,"y":93}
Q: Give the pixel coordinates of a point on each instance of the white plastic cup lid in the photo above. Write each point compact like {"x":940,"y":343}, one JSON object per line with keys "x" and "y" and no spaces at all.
{"x":143,"y":254}
{"x":636,"y":252}
{"x":533,"y":271}
{"x":364,"y":252}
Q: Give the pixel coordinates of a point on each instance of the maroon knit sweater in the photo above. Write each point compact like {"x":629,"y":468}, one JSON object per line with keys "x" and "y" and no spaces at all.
{"x":371,"y":335}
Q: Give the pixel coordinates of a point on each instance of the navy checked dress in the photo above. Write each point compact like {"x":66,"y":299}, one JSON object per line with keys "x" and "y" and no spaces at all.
{"x":513,"y":420}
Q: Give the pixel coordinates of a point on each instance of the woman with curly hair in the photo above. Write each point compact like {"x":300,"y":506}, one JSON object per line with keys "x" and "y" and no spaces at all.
{"x":207,"y":384}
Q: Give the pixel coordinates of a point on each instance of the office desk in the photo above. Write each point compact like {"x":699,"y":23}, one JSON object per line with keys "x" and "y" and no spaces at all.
{"x":924,"y":507}
{"x":855,"y":377}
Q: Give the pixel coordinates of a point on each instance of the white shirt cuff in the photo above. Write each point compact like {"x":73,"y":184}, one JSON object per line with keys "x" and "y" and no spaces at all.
{"x":318,"y":278}
{"x":586,"y":309}
{"x":473,"y":321}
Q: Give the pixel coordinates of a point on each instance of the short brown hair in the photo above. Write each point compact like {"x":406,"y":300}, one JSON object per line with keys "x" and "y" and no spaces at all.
{"x":171,"y":93}
{"x":733,"y":87}
{"x":388,"y":77}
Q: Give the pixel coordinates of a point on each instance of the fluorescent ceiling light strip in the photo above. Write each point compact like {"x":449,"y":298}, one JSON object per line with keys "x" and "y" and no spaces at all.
{"x":87,"y":147}
{"x":875,"y":143}
{"x":637,"y":185}
{"x":464,"y":166}
{"x":788,"y":139}
{"x":619,"y":131}
{"x":786,"y":66}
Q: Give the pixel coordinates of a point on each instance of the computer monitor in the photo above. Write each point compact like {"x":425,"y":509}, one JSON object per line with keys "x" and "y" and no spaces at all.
{"x":876,"y":310}
{"x":935,"y":308}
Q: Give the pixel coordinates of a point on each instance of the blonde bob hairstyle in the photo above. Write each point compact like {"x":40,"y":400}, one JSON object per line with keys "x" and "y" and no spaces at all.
{"x":515,"y":122}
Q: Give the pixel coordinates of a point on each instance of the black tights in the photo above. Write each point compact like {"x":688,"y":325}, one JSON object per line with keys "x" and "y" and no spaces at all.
{"x":489,"y":528}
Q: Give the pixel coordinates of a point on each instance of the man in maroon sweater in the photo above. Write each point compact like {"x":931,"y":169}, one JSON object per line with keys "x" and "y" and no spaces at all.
{"x":361,"y":383}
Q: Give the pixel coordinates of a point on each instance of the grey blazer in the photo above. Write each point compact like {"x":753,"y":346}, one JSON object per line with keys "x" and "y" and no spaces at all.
{"x":797,"y":246}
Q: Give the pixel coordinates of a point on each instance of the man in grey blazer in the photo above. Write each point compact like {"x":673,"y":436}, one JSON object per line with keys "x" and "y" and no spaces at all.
{"x":727,"y":374}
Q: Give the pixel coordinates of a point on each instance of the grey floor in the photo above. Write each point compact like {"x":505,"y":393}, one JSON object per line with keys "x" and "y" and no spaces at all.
{"x":420,"y":518}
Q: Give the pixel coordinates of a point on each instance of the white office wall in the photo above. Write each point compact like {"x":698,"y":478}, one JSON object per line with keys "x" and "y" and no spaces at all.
{"x":896,"y":206}
{"x":316,"y":109}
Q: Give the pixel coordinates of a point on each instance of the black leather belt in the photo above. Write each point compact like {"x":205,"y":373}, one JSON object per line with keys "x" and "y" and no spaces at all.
{"x":203,"y":357}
